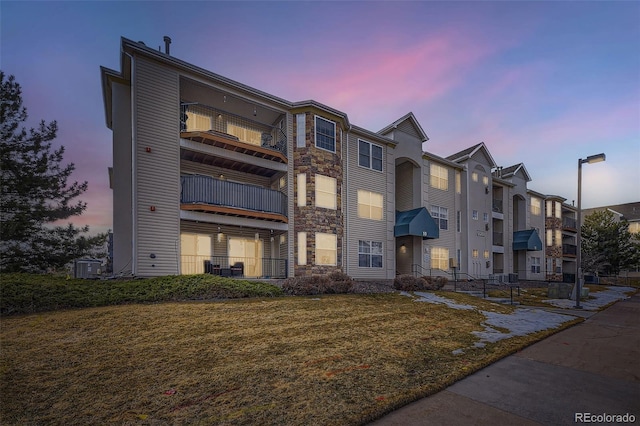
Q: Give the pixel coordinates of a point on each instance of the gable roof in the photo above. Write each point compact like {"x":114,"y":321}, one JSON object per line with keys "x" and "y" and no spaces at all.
{"x":513,"y":170}
{"x":466,"y":154}
{"x":410,"y":119}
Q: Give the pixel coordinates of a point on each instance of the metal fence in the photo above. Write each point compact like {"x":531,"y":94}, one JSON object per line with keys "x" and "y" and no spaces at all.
{"x":208,"y":190}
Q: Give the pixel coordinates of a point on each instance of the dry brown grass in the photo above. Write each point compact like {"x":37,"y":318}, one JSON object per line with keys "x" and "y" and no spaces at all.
{"x":343,"y":359}
{"x":535,"y":296}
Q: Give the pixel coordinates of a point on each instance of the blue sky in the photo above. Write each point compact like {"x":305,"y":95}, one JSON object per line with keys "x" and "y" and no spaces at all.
{"x":543,"y":83}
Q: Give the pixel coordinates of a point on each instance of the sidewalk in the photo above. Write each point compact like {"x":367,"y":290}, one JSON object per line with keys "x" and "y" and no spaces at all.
{"x":593,"y":367}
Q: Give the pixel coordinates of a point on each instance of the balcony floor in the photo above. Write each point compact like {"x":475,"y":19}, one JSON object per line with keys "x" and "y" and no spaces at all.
{"x":229,"y":142}
{"x":231,"y":211}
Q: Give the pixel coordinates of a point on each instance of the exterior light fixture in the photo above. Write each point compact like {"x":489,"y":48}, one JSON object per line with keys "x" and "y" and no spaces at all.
{"x":589,"y":160}
{"x":220,"y":235}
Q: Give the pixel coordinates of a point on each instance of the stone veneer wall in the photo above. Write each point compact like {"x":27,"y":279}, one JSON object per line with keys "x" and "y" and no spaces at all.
{"x":554,"y":251}
{"x":311,"y":161}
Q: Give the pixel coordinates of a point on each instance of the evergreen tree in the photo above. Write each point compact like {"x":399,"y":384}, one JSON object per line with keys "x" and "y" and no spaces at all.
{"x":35,"y":193}
{"x":607,"y":245}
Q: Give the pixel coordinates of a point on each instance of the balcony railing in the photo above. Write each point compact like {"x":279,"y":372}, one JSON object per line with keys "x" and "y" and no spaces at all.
{"x":569,"y":249}
{"x":198,"y":117}
{"x":207,"y":190}
{"x":569,"y":223}
{"x":236,"y":267}
{"x":498,"y":239}
{"x":497,"y":206}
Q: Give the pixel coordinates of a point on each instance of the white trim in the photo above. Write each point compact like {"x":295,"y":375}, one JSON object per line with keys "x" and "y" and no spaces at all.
{"x":371,"y":156}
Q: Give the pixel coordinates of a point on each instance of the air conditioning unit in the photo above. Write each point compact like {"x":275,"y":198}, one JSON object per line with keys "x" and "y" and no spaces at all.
{"x":87,"y":268}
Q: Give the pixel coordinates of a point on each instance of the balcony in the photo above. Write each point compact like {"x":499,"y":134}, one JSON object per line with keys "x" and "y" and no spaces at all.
{"x":207,"y":194}
{"x":498,"y":239}
{"x":569,"y":223}
{"x":211,"y":126}
{"x":570,"y":250}
{"x":235,"y":267}
{"x":497,"y":206}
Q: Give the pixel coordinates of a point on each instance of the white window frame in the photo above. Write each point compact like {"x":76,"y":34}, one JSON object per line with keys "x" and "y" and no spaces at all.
{"x":366,"y":251}
{"x":439,"y":177}
{"x":440,"y":258}
{"x":535,"y":265}
{"x":365,"y":203}
{"x":536,"y":206}
{"x":321,"y":189}
{"x":474,"y":176}
{"x":370,"y":157}
{"x":315,"y":127}
{"x":475,"y":253}
{"x":474,"y":214}
{"x":441,"y":215}
{"x":326,"y":244}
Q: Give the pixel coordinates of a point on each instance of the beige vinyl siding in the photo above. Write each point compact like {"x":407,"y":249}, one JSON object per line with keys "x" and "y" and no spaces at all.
{"x":122,"y":211}
{"x":157,"y":173}
{"x":404,"y":187}
{"x":409,"y":129}
{"x":361,"y":178}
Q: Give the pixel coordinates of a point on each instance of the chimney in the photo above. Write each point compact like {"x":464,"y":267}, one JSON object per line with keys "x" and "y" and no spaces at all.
{"x":167,"y":42}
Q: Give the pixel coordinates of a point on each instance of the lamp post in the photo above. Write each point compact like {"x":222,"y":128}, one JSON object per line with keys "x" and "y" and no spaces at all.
{"x":589,"y":160}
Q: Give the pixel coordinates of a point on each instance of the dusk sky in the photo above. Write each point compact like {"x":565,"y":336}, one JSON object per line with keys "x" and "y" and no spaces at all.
{"x":543,"y":83}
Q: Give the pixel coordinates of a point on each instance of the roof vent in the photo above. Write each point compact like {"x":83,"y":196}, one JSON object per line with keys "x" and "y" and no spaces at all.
{"x":167,"y":43}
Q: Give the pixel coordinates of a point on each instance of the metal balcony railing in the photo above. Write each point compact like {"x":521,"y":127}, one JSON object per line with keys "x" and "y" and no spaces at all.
{"x":497,"y":206}
{"x":569,"y":223}
{"x":208,"y":190}
{"x":236,"y":267}
{"x":198,"y":117}
{"x":569,"y":249}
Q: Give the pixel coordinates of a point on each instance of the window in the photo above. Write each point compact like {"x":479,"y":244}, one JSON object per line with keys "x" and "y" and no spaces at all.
{"x":302,"y":248}
{"x":369,"y":205}
{"x":440,"y":258}
{"x":370,"y":254}
{"x":458,"y":221}
{"x":558,"y":238}
{"x":302,"y":190}
{"x":439,"y":177}
{"x":458,"y":257}
{"x":549,"y":237}
{"x":634,"y":227}
{"x":558,"y":212}
{"x":325,"y":192}
{"x":549,"y":212}
{"x":369,"y":155}
{"x":326,"y":249}
{"x":485,"y":180}
{"x":325,"y":134}
{"x":486,"y":254}
{"x":301,"y":130}
{"x":549,"y":265}
{"x":474,"y":215}
{"x":441,"y":216}
{"x":474,"y":253}
{"x":282,"y":182}
{"x":535,"y":265}
{"x":536,"y":206}
{"x":474,"y":176}
{"x":485,"y":217}
{"x":458,"y":183}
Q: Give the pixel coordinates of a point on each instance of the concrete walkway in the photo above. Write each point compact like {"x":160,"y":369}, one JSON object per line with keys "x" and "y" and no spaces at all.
{"x":593,"y":367}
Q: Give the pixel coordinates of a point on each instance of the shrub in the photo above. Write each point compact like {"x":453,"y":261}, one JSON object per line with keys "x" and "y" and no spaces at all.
{"x":411,"y":283}
{"x":336,"y":282}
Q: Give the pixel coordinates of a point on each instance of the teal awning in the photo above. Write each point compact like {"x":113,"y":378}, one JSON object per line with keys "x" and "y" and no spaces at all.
{"x":527,"y":240}
{"x":416,"y":222}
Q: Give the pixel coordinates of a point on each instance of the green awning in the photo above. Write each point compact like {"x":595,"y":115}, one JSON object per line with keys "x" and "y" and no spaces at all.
{"x":527,"y":240}
{"x":416,"y":222}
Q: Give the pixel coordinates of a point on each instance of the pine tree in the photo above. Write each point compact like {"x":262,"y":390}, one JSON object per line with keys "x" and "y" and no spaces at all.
{"x":607,"y":245}
{"x":35,"y":193}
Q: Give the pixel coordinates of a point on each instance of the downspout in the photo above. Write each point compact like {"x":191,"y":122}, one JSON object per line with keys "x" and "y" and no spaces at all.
{"x":345,"y":255}
{"x":134,"y":225}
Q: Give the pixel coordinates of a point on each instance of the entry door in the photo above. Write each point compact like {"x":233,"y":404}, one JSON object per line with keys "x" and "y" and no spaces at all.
{"x":249,"y":252}
{"x":194,"y":250}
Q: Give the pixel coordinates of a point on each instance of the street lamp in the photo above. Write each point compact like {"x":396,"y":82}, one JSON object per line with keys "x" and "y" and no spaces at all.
{"x":589,"y":160}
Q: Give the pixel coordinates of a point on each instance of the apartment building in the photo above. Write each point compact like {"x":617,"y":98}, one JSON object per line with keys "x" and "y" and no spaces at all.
{"x":210,"y":175}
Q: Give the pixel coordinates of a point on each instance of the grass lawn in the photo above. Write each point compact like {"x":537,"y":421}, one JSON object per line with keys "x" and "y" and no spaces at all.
{"x":535,"y":296}
{"x":340,"y":359}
